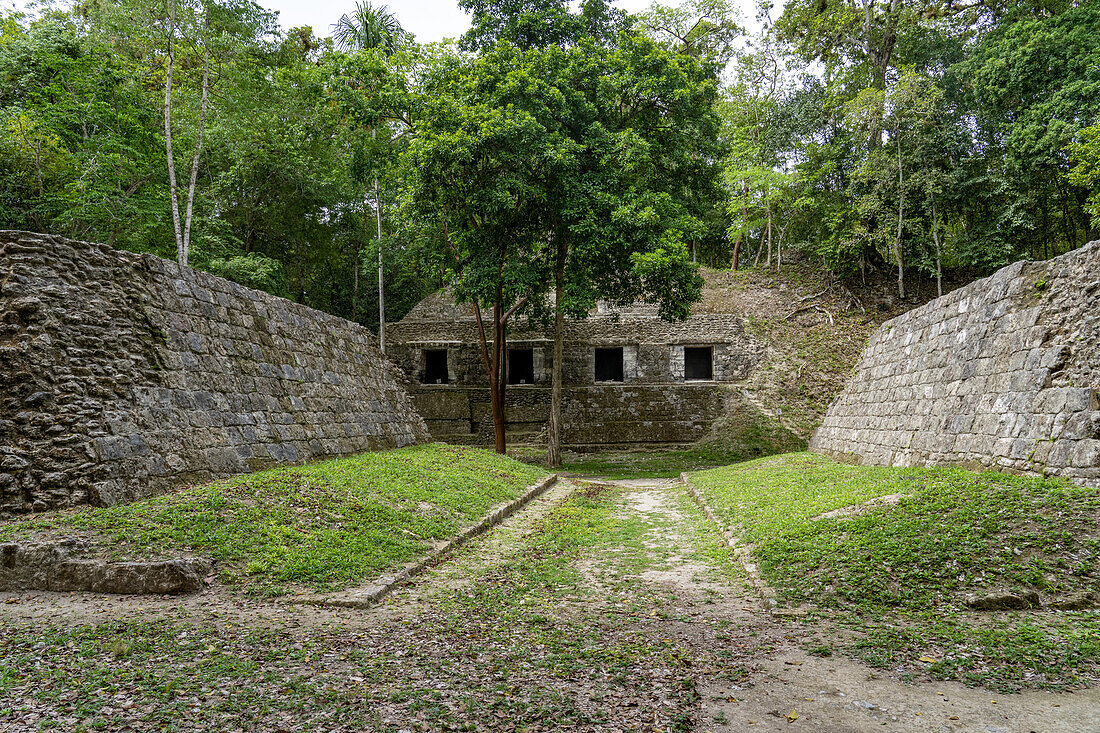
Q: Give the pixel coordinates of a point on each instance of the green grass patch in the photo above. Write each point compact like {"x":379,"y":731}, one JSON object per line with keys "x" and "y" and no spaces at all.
{"x":742,"y":434}
{"x":899,"y":573}
{"x":155,"y":675}
{"x":663,"y":463}
{"x":325,"y":525}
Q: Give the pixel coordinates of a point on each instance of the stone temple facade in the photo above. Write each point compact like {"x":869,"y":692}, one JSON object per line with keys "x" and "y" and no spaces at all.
{"x":629,"y":378}
{"x":1003,"y":373}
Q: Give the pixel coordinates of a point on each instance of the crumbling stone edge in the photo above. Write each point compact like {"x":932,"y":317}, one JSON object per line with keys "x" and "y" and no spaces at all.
{"x":365,"y":596}
{"x":51,"y":567}
{"x":743,"y":553}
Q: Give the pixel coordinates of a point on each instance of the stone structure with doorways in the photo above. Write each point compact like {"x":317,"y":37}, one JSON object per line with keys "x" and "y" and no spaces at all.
{"x":629,"y":378}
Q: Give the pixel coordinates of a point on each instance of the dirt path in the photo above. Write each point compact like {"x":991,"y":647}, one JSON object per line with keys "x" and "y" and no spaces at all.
{"x":834,"y":693}
{"x":601,"y":606}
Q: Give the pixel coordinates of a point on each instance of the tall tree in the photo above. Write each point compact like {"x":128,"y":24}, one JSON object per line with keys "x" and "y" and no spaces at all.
{"x":1034,"y":87}
{"x":78,"y":144}
{"x":370,"y":27}
{"x":706,"y":29}
{"x":191,"y":41}
{"x":752,"y":169}
{"x":373,"y":30}
{"x":532,"y":24}
{"x":566,"y":168}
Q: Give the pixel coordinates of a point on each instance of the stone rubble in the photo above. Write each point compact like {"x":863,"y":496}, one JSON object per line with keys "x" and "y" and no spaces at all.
{"x":51,"y":566}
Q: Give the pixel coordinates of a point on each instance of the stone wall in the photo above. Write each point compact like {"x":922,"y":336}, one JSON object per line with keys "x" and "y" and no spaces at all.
{"x":124,"y":375}
{"x":1003,"y":373}
{"x":652,"y":405}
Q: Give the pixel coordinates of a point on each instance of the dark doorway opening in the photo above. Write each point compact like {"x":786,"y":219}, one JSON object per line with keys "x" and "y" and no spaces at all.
{"x":521,"y":366}
{"x":698,"y":363}
{"x":435,"y":367}
{"x":609,"y":365}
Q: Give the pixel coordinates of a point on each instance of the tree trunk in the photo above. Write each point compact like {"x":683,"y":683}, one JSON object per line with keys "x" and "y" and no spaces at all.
{"x":198,"y":146}
{"x":768,"y":262}
{"x":939,"y":252}
{"x":491,"y":364}
{"x":901,"y":220}
{"x":737,"y":250}
{"x":553,"y":448}
{"x":497,"y":386}
{"x":173,"y":191}
{"x":760,"y":247}
{"x":779,"y":249}
{"x":356,"y":254}
{"x":740,"y":234}
{"x":381,"y":280}
{"x":879,"y":56}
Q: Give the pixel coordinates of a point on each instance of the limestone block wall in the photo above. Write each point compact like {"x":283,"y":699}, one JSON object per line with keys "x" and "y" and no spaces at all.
{"x":124,"y":375}
{"x":652,"y":405}
{"x":1003,"y":373}
{"x":600,"y":415}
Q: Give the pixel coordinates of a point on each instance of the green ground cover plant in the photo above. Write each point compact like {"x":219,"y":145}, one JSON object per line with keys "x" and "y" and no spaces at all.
{"x":559,"y":630}
{"x":325,"y":525}
{"x":664,"y":463}
{"x":898,"y":572}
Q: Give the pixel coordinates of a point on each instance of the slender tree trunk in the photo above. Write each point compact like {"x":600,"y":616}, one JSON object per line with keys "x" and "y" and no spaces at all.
{"x":553,"y":449}
{"x":381,"y":280}
{"x":491,"y":364}
{"x":879,"y":50}
{"x":939,"y":251}
{"x":356,"y":255}
{"x":740,"y":233}
{"x":768,"y":262}
{"x":760,"y":247}
{"x":497,"y":398}
{"x":901,"y":219}
{"x":173,"y":191}
{"x":198,"y":147}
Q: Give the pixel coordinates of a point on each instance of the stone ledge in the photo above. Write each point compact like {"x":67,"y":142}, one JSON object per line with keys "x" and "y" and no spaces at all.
{"x":367,"y":595}
{"x":50,"y":567}
{"x":743,"y":553}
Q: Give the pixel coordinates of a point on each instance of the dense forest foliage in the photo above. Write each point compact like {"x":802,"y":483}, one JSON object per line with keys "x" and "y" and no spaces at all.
{"x":896,"y":135}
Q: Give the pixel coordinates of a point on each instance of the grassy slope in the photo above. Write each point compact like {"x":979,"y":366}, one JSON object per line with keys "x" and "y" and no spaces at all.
{"x":813,"y":327}
{"x":899,"y":574}
{"x":808,"y":344}
{"x":326,"y":525}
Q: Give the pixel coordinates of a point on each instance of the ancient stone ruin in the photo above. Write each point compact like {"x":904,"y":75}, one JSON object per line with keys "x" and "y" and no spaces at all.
{"x":1003,"y":373}
{"x":124,"y":375}
{"x":629,"y":378}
